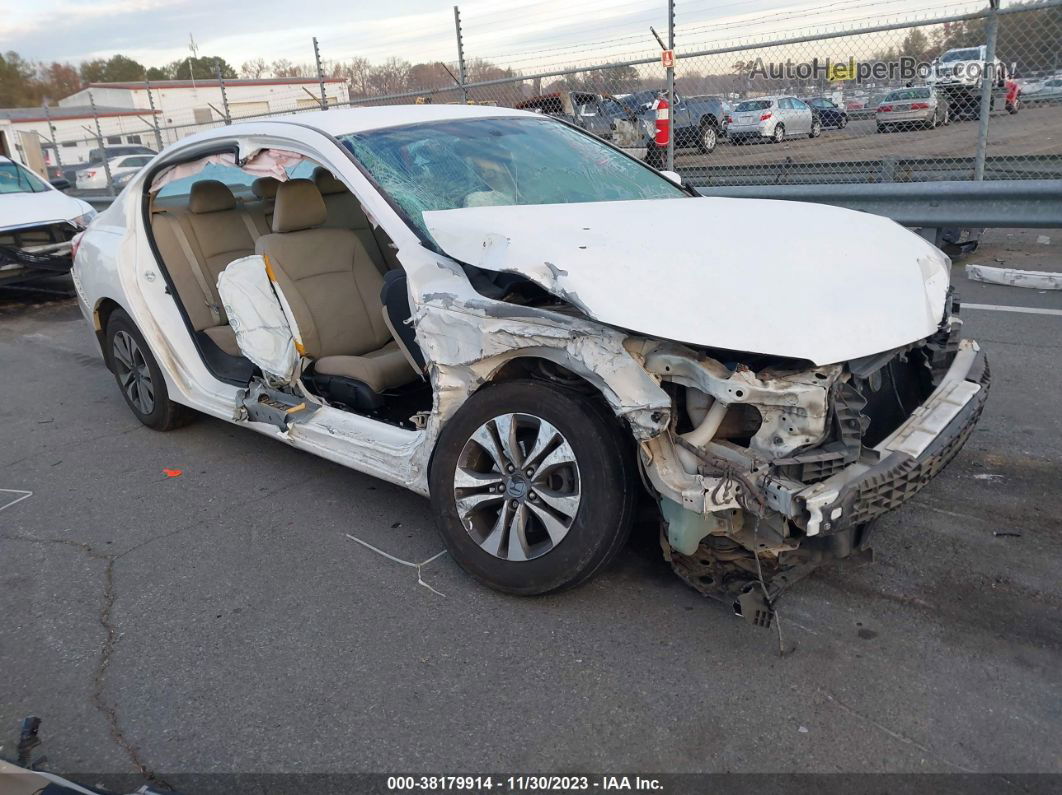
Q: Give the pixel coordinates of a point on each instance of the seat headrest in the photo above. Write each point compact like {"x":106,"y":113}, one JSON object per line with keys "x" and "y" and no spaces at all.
{"x":326,"y":182}
{"x":265,"y":187}
{"x":299,"y":206}
{"x":210,"y":196}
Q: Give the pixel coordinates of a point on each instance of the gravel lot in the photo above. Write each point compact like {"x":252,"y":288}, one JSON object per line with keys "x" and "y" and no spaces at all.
{"x":221,"y":621}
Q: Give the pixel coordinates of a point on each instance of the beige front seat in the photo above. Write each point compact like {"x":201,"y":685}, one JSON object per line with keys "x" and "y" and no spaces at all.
{"x":344,"y":212}
{"x":333,"y":288}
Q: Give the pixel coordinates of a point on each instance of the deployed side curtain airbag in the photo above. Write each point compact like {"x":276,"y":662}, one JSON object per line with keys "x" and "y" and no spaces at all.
{"x":266,"y":331}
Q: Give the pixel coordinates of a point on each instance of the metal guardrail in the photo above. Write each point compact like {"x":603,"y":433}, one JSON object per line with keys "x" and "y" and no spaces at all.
{"x":966,"y":204}
{"x":886,"y":170}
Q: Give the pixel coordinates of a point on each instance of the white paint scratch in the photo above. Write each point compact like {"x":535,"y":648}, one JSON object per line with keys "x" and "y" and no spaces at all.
{"x":25,"y":496}
{"x":417,"y":566}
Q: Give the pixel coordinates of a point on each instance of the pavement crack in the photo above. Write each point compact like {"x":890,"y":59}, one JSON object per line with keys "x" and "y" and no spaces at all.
{"x":99,"y":700}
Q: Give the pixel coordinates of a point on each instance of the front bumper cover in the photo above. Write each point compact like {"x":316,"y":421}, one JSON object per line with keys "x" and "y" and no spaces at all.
{"x":907,"y":460}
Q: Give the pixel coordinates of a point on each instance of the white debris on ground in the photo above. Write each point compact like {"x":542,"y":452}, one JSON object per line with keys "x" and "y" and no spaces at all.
{"x":1035,"y":280}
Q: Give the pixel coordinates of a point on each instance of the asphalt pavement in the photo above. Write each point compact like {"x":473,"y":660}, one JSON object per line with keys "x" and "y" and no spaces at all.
{"x":221,"y":620}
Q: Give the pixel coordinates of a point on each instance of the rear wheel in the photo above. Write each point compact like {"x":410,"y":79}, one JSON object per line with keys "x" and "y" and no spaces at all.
{"x":139,"y":377}
{"x":708,"y":138}
{"x":779,"y":133}
{"x":533,"y":487}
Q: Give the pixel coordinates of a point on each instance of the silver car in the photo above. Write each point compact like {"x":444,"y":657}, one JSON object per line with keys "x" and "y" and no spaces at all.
{"x":773,"y":119}
{"x":908,"y":107}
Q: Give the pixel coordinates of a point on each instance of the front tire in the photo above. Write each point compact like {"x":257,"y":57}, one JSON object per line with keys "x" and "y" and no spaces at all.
{"x":816,"y":129}
{"x":533,"y":487}
{"x":139,"y":377}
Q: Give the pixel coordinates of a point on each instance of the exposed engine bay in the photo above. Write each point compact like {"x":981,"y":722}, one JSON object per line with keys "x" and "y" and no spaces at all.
{"x":771,"y":467}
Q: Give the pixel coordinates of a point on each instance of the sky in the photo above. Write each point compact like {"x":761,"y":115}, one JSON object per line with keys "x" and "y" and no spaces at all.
{"x":524,"y":34}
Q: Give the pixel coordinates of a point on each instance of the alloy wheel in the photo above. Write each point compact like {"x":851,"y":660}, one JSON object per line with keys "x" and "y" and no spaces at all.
{"x":708,"y":137}
{"x":133,"y":374}
{"x":517,"y":487}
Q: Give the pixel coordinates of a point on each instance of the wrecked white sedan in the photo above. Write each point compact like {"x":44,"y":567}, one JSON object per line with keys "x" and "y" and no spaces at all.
{"x":500,"y":311}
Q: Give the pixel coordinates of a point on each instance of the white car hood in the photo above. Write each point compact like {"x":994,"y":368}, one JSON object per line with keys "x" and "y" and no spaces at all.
{"x":30,"y":209}
{"x":791,"y":279}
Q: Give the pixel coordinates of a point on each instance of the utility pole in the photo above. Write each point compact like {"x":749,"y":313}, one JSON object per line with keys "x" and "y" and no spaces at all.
{"x":103,"y":149}
{"x":671,"y":85}
{"x":194,"y":56}
{"x":320,"y":74}
{"x":460,"y":54}
{"x":224,"y":96}
{"x":154,"y":116}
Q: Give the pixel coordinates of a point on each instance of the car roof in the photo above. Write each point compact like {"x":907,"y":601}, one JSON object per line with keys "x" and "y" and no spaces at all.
{"x":340,"y":121}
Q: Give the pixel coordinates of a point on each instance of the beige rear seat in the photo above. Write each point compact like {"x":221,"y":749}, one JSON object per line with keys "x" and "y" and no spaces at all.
{"x":216,"y":233}
{"x":333,"y":288}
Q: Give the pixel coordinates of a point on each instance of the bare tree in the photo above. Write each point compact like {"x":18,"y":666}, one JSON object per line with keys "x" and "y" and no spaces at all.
{"x":390,"y":77}
{"x":254,"y":69}
{"x":356,"y":72}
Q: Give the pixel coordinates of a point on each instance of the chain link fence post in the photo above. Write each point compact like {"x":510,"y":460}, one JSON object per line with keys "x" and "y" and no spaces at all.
{"x":320,"y":74}
{"x":154,"y":116}
{"x":988,"y":79}
{"x":460,"y":54}
{"x":671,"y":86}
{"x":224,"y":95}
{"x":103,"y":149}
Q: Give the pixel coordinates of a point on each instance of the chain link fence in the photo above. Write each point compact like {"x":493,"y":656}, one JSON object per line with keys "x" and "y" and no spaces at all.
{"x":956,"y":94}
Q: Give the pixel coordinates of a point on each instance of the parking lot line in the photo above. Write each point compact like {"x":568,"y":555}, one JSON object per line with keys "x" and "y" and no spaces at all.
{"x":1028,"y":310}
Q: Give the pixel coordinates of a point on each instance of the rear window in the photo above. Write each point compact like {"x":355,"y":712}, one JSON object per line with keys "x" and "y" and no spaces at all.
{"x":754,"y":104}
{"x":907,"y":93}
{"x":238,"y":180}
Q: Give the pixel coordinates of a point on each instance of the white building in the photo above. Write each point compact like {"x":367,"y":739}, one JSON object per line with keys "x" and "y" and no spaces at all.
{"x":184,"y":103}
{"x":181,"y":107}
{"x":74,"y":128}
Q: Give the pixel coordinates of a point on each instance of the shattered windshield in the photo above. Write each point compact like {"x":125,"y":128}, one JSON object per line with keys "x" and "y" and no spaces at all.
{"x":16,"y":179}
{"x":482,"y":162}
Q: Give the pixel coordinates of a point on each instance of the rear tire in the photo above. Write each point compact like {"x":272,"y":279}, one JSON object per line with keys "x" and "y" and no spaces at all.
{"x":599,"y":475}
{"x":779,"y":134}
{"x":708,"y":138}
{"x":139,"y":377}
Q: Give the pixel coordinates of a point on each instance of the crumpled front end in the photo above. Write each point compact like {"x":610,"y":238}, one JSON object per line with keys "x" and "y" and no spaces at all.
{"x":35,"y":251}
{"x":771,"y":467}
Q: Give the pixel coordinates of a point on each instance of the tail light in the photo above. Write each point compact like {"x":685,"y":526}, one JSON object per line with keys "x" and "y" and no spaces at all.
{"x":90,"y":174}
{"x":75,"y":241}
{"x":765,"y":116}
{"x":729,"y":119}
{"x":919,"y":106}
{"x":884,"y":108}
